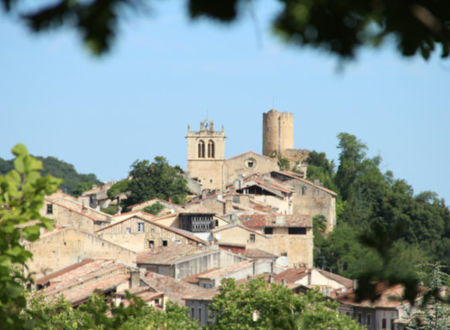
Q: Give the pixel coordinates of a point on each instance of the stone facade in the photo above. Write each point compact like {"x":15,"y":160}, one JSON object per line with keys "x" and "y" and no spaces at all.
{"x":278,"y":132}
{"x":206,"y":153}
{"x":63,"y":247}
{"x":138,"y":234}
{"x":310,"y":198}
{"x":247,"y":164}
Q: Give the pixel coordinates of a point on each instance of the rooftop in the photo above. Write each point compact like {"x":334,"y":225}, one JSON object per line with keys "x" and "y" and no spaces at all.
{"x":173,"y":289}
{"x":171,"y":255}
{"x":224,"y":271}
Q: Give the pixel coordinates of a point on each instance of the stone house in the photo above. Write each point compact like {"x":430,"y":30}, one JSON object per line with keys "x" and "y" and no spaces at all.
{"x":65,"y":246}
{"x":237,"y":238}
{"x":184,"y":261}
{"x":291,"y":236}
{"x":137,"y":233}
{"x":308,"y":197}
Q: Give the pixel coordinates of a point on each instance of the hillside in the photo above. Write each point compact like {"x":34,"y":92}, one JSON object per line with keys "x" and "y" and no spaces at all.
{"x":59,"y":169}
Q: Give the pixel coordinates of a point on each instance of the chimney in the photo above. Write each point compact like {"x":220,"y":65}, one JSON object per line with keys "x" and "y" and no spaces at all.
{"x":254,"y":268}
{"x":283,"y":282}
{"x":170,"y":199}
{"x":309,"y":277}
{"x":135,"y":278}
{"x":204,"y":193}
{"x":228,"y":204}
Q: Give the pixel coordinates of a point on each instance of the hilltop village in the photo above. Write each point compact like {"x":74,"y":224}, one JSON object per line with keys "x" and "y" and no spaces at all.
{"x":247,"y":216}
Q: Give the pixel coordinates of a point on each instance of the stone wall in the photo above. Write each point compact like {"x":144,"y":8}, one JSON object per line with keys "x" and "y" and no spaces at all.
{"x":126,"y":234}
{"x":59,"y":249}
{"x":65,"y":217}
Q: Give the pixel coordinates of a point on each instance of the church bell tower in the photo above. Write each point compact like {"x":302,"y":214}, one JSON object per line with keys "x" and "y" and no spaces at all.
{"x":206,"y":154}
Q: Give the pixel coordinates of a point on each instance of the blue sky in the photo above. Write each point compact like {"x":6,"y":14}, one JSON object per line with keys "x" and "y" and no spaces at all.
{"x":165,"y":72}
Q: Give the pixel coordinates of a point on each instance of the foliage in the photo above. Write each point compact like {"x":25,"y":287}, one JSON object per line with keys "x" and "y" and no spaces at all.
{"x":99,"y":314}
{"x":154,"y":209}
{"x":118,"y":188}
{"x":284,"y":163}
{"x":334,"y":26}
{"x":110,"y":210}
{"x":156,"y":180}
{"x":58,"y":169}
{"x":22,"y":193}
{"x":81,"y":187}
{"x":433,"y":310}
{"x":378,"y":219}
{"x":320,"y":168}
{"x":260,"y":305}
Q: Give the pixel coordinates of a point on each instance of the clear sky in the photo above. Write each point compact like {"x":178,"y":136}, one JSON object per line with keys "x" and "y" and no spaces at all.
{"x":166,"y":72}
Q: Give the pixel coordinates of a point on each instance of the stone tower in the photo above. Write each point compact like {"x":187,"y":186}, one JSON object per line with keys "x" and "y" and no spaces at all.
{"x":278,"y":132}
{"x":206,"y":154}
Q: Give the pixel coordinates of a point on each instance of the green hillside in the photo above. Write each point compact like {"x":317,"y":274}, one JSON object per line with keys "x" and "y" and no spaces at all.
{"x":58,"y":169}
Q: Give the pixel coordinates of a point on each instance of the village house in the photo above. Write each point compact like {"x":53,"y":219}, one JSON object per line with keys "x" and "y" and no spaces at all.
{"x":308,"y":197}
{"x":291,"y":236}
{"x":66,"y":246}
{"x":135,"y":231}
{"x":237,"y":238}
{"x":183,"y":261}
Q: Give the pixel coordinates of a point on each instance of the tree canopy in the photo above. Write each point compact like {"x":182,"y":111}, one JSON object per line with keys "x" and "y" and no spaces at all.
{"x":338,"y":27}
{"x":261,"y":305}
{"x":156,"y":180}
{"x":383,"y":230}
{"x":72,"y":181}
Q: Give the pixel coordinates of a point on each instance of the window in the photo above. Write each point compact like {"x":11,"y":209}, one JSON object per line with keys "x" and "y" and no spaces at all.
{"x":164,"y":242}
{"x":383,"y":324}
{"x":392,"y":324}
{"x":192,"y":313}
{"x":216,"y":222}
{"x":128,"y":230}
{"x":317,"y":191}
{"x":359,"y":318}
{"x":284,"y":254}
{"x":236,"y":199}
{"x":140,"y":227}
{"x":297,"y":231}
{"x":211,"y":150}
{"x":268,"y":230}
{"x":252,"y":238}
{"x":200,"y":315}
{"x":368,"y":319}
{"x":49,"y":208}
{"x":151,"y":244}
{"x":201,"y":149}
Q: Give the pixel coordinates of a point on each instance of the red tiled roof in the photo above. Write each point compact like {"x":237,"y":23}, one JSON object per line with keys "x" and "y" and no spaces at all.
{"x":270,"y":220}
{"x":60,"y":272}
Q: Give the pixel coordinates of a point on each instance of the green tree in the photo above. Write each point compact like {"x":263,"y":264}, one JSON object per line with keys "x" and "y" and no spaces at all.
{"x":156,"y":180}
{"x":333,"y":26}
{"x":260,"y":305}
{"x":154,"y":209}
{"x":118,"y":188}
{"x":22,"y":193}
{"x":81,"y":187}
